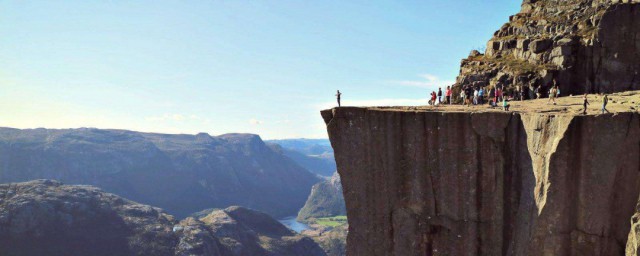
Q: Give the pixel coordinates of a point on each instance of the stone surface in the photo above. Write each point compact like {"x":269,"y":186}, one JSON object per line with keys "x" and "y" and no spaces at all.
{"x":47,"y":218}
{"x":538,"y":181}
{"x":250,"y":233}
{"x":585,"y":45}
{"x":182,"y":174}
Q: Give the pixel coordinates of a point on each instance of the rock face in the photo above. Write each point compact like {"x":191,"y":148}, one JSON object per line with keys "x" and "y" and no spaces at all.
{"x":326,"y":200}
{"x":246,"y":232}
{"x":48,"y":218}
{"x":493,"y":183}
{"x":182,"y":174}
{"x":585,"y":45}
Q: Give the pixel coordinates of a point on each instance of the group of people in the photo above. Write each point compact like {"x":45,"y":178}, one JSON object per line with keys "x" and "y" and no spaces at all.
{"x":495,"y":96}
{"x":436,"y":98}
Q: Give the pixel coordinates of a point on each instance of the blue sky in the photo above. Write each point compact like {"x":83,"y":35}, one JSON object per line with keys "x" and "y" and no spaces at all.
{"x":265,"y":67}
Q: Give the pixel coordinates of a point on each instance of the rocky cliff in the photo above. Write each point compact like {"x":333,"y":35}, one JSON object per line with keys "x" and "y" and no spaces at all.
{"x":585,"y":45}
{"x":48,"y":218}
{"x":182,"y":174}
{"x":426,"y":181}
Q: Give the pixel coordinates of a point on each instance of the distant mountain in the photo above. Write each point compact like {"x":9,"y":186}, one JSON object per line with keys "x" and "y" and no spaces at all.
{"x":180,"y":173}
{"x":45,"y":217}
{"x":326,"y":200}
{"x":316,"y":155}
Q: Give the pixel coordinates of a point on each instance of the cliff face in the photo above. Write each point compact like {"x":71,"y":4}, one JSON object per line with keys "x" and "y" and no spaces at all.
{"x":585,"y":45}
{"x":420,"y":182}
{"x":182,"y":174}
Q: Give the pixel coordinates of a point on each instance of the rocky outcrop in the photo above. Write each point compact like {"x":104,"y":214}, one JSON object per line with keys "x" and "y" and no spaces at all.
{"x":182,"y":174}
{"x":326,"y":200}
{"x":48,"y":218}
{"x":250,"y":233}
{"x":424,"y":182}
{"x":333,"y":241}
{"x":585,"y":45}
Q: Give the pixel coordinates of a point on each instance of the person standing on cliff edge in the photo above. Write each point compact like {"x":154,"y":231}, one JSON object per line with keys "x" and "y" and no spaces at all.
{"x":605,"y":100}
{"x":585,"y":103}
{"x":338,"y":97}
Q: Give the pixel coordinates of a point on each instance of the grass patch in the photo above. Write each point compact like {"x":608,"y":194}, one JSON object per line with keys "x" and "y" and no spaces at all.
{"x":331,"y":221}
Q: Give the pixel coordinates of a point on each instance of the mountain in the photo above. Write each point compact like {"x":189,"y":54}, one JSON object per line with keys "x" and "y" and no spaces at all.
{"x":316,"y":155}
{"x":182,"y":174}
{"x":45,"y":217}
{"x":326,"y":200}
{"x":587,"y":46}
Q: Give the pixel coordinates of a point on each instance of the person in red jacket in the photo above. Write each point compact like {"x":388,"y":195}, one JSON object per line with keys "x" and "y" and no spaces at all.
{"x":447,"y":95}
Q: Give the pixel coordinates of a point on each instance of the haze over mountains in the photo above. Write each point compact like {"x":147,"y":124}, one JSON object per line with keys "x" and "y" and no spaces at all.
{"x":316,"y":155}
{"x":182,"y":174}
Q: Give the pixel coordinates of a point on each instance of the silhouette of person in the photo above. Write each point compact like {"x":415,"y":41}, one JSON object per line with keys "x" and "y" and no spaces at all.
{"x":338,"y":97}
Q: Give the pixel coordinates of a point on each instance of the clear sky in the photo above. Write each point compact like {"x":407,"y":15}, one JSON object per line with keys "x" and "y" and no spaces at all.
{"x":265,"y":67}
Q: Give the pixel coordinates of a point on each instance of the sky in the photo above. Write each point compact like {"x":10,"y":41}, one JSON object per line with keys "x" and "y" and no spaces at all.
{"x":263,"y":67}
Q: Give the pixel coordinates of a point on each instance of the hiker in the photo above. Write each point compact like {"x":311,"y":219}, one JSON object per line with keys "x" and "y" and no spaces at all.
{"x":505,"y":105}
{"x":492,"y":95}
{"x":338,"y":97}
{"x":475,"y":96}
{"x":605,"y":100}
{"x":481,"y":96}
{"x":463,"y":95}
{"x":447,"y":95}
{"x":537,"y":91}
{"x":499,"y":93}
{"x":552,"y":95}
{"x":439,"y":95}
{"x":468,"y":93}
{"x":433,"y":98}
{"x":585,"y":102}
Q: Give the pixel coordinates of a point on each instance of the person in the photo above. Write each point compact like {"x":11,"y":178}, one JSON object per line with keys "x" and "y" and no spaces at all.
{"x":499,"y":94}
{"x":481,"y":96}
{"x":523,"y":92}
{"x":538,"y":92}
{"x":463,"y":95}
{"x":475,"y":96}
{"x":585,"y":102}
{"x":468,"y":93}
{"x":492,"y":95}
{"x":605,"y":100}
{"x":439,"y":95}
{"x":433,"y":98}
{"x":338,"y":97}
{"x":552,"y":95}
{"x":505,"y":105}
{"x":447,"y":95}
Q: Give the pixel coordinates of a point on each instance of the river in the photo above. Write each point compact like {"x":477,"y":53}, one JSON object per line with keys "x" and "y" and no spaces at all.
{"x":293,"y":224}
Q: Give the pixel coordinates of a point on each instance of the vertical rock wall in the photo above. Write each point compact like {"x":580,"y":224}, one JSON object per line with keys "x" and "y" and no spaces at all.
{"x":433,"y":183}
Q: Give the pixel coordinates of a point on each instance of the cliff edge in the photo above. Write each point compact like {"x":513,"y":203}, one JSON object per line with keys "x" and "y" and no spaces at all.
{"x":541,"y":180}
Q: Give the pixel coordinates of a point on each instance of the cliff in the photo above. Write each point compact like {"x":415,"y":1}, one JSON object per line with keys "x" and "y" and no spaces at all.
{"x":585,"y":45}
{"x":45,"y":217}
{"x":180,"y":173}
{"x":541,"y":180}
